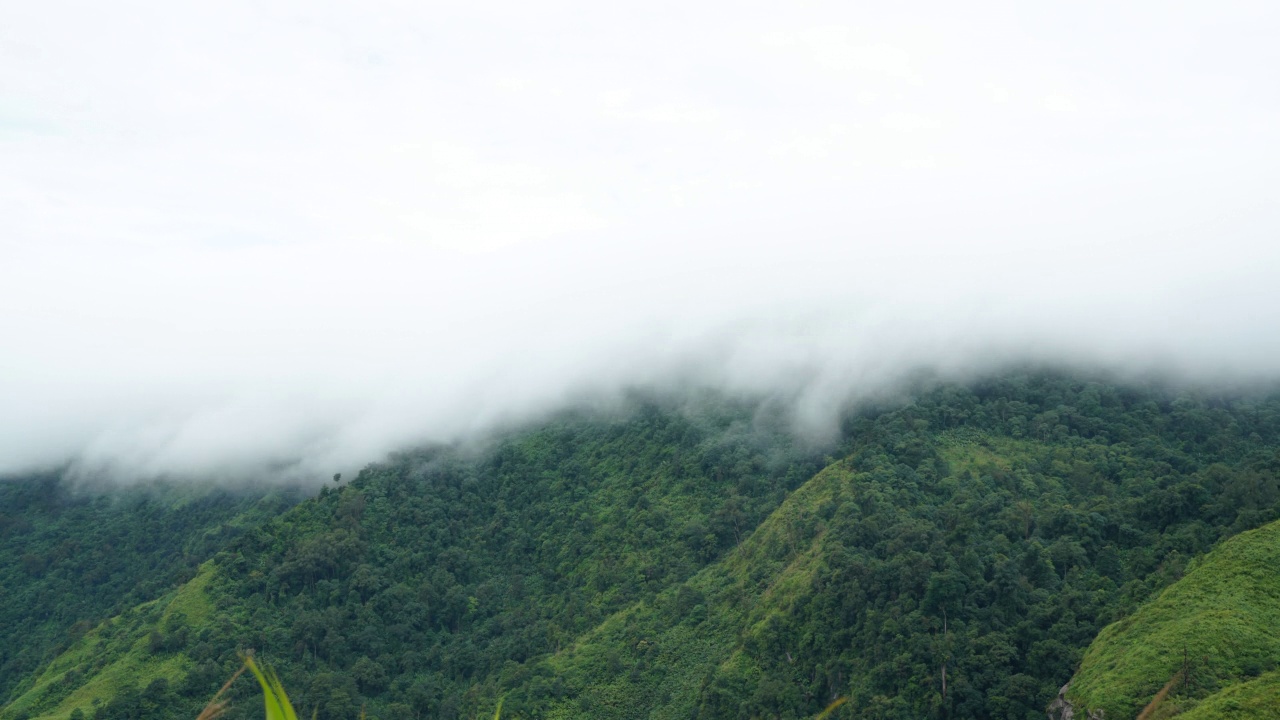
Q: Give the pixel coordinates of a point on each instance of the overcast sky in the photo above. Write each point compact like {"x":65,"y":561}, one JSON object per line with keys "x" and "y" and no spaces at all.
{"x":294,"y":235}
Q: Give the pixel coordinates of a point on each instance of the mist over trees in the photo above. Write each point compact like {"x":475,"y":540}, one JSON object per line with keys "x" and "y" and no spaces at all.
{"x":669,"y":360}
{"x":698,"y":561}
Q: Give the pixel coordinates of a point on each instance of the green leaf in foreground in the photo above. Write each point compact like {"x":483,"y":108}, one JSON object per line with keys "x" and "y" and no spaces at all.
{"x":273,"y":694}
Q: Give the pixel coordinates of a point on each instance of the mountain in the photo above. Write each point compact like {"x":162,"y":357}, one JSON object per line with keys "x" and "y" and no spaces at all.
{"x":691,"y":557}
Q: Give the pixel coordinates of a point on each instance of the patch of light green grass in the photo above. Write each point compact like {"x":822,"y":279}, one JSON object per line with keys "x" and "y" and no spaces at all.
{"x":1224,"y":615}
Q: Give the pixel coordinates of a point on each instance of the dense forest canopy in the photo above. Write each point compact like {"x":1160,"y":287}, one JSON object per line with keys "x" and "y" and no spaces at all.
{"x":682,"y":560}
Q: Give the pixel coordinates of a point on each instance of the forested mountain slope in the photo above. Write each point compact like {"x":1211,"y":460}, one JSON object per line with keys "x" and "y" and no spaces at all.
{"x":997,"y":557}
{"x":703,"y":564}
{"x":434,"y":570}
{"x":73,"y":556}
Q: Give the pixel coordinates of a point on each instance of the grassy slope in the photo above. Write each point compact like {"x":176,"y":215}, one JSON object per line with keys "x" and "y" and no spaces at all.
{"x":1251,"y":700}
{"x":1226,"y":614}
{"x":114,"y":655}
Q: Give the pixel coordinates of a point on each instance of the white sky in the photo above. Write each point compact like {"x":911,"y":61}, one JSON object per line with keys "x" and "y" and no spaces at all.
{"x":237,"y":236}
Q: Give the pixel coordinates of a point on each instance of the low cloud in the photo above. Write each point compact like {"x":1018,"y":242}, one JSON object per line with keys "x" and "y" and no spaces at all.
{"x":253,"y":242}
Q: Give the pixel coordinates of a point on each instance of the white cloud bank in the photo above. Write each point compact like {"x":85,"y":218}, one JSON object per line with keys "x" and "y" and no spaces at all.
{"x":253,"y":239}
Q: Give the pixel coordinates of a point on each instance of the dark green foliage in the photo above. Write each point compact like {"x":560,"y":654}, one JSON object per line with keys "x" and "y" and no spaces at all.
{"x":942,"y":539}
{"x":69,"y":559}
{"x":676,"y":565}
{"x":430,"y":573}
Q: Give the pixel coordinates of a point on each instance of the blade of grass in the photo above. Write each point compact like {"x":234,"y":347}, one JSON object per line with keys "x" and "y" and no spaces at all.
{"x":273,"y":695}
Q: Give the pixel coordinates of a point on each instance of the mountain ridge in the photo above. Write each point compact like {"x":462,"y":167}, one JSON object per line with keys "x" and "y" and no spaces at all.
{"x":664,"y":565}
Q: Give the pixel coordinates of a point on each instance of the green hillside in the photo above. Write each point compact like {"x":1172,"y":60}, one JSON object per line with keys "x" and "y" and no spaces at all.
{"x":1256,"y":699}
{"x":72,"y":556}
{"x":117,"y":659}
{"x":846,"y":589}
{"x":694,"y":559}
{"x":1215,"y":631}
{"x":473,"y":557}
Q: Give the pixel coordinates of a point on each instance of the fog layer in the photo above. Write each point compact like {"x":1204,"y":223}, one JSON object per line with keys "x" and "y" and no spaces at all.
{"x":281,"y":240}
